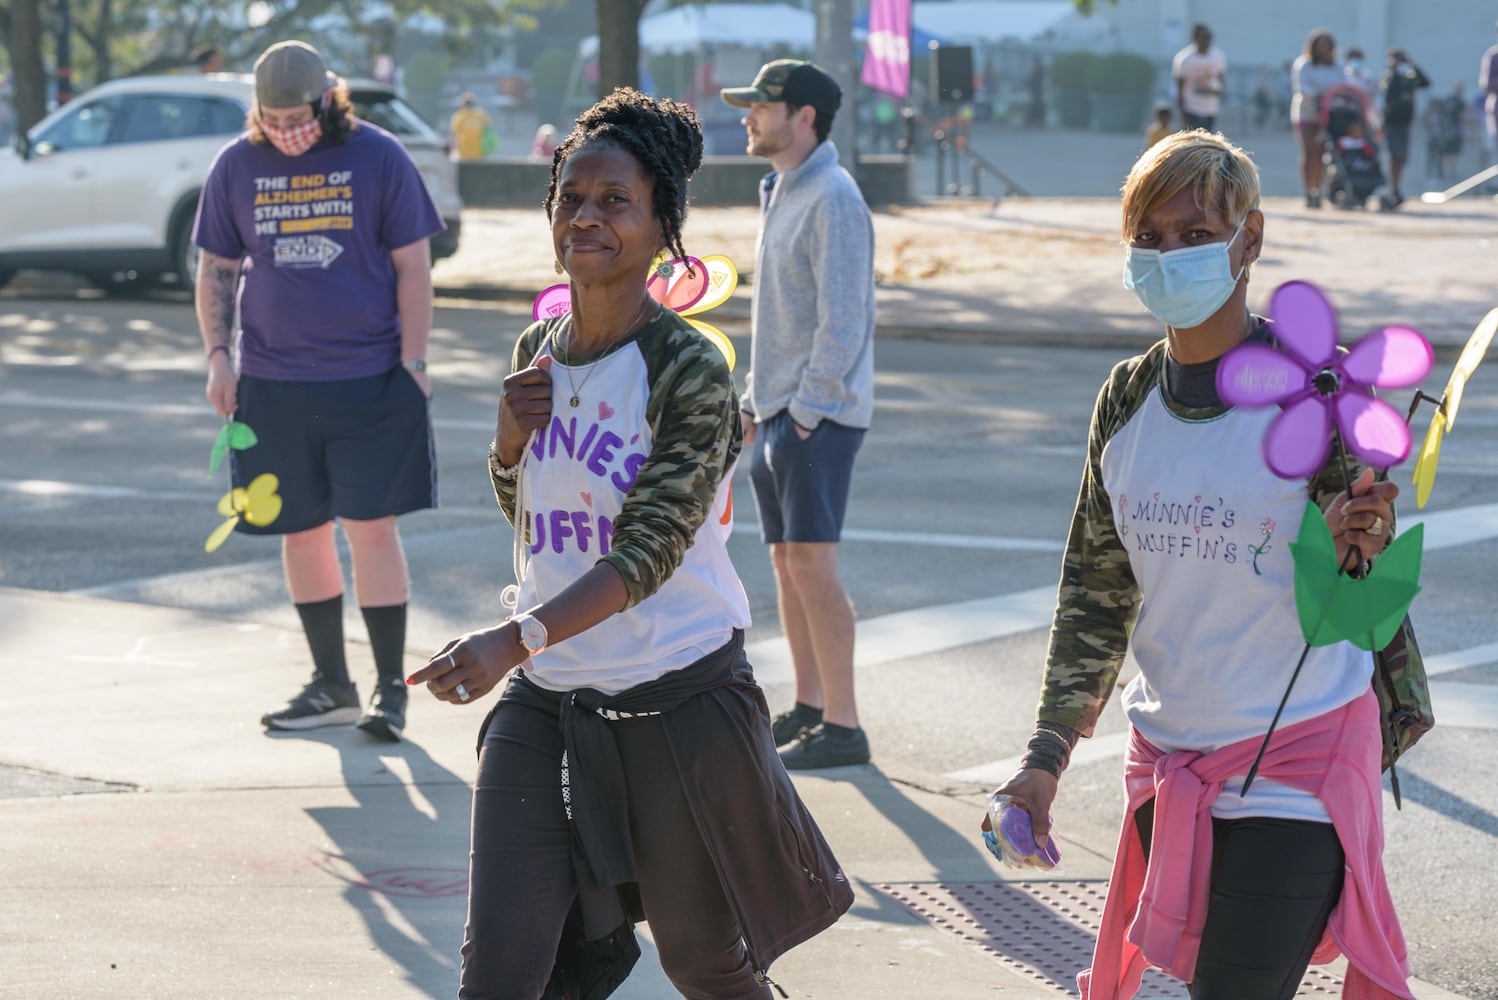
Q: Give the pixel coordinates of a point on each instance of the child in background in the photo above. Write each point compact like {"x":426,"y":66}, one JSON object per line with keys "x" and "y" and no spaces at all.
{"x":545,"y":142}
{"x":1355,"y":140}
{"x":1160,"y":127}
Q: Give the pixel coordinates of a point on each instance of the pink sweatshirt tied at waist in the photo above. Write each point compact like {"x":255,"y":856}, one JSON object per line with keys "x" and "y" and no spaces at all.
{"x":1155,"y":910}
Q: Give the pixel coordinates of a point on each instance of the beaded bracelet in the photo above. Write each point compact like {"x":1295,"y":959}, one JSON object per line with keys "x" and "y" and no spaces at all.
{"x":505,"y":473}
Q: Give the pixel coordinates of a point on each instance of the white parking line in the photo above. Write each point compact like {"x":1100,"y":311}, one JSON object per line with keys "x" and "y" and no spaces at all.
{"x":1456,"y":705}
{"x":200,"y":410}
{"x":1464,"y":706}
{"x":907,"y":634}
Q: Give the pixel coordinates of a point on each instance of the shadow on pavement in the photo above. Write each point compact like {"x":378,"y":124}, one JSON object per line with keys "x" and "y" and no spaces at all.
{"x":401,"y":849}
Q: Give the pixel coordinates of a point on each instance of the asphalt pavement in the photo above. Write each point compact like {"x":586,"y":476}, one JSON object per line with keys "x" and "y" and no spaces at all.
{"x":157,"y":843}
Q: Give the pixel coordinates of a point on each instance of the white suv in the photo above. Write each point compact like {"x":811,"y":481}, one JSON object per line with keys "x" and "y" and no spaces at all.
{"x":107,"y":185}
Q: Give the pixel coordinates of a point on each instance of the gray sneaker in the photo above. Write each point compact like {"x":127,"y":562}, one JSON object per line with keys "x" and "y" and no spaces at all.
{"x":321,"y":703}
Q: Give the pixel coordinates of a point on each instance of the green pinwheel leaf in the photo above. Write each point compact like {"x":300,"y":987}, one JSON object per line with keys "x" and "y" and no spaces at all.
{"x":234,"y":435}
{"x":1334,"y":606}
{"x":220,"y":449}
{"x":241,"y":436}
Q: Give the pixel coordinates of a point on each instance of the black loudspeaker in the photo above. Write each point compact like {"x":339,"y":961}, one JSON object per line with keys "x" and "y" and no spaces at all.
{"x":952,"y":72}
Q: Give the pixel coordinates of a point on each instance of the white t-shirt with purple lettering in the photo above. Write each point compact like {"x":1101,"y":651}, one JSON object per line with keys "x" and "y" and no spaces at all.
{"x":577,"y":473}
{"x":1207,"y":532}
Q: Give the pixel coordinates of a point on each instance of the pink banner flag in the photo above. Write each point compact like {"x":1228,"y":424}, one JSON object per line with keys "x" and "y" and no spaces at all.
{"x":886,"y":61}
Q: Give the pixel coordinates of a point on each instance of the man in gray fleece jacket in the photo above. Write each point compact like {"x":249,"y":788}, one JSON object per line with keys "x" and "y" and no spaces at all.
{"x":809,"y":393}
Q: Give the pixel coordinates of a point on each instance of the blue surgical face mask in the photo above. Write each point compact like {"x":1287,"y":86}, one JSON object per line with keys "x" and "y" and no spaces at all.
{"x":1184,"y":287}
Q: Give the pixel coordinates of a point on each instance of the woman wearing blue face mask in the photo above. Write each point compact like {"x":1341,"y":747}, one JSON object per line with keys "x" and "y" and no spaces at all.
{"x":1178,"y":553}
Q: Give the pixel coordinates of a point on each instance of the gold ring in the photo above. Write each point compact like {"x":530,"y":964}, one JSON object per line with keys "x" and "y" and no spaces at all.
{"x":1377,"y":528}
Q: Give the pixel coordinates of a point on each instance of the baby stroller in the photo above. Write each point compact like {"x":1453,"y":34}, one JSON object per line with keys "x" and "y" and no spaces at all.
{"x":1351,"y":174}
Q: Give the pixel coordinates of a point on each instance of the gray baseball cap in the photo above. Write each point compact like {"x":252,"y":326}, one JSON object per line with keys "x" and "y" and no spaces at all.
{"x":291,"y":73}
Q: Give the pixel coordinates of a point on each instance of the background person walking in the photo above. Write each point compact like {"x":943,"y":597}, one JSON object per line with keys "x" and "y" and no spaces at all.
{"x":470,"y":128}
{"x":1398,"y":86}
{"x":331,"y":359}
{"x":1487,"y":83}
{"x":809,"y":393}
{"x":1314,"y":72}
{"x":1198,"y":71}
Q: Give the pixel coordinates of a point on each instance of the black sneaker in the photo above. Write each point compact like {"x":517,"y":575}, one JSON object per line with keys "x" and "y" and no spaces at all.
{"x":386,"y":715}
{"x":321,"y":703}
{"x":789,"y":725}
{"x":820,"y":747}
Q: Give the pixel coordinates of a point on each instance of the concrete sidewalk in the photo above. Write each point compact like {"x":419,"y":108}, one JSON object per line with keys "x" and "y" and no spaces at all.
{"x":1049,"y":271}
{"x":158,"y":843}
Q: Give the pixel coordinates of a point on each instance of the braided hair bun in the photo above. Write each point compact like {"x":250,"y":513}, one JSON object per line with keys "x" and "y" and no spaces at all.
{"x":663,"y":135}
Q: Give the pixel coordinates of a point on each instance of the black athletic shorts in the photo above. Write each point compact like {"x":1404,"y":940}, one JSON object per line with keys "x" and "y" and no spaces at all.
{"x":360,"y":449}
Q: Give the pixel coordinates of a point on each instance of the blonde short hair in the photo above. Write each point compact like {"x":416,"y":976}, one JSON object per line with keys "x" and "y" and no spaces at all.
{"x":1219,"y":174}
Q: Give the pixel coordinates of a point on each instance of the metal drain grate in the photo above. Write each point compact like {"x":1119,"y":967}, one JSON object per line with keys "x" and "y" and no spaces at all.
{"x":1043,"y":931}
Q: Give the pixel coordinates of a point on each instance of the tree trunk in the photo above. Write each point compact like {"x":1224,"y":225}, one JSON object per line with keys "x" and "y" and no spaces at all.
{"x":104,"y":31}
{"x":30,"y":76}
{"x":618,"y":44}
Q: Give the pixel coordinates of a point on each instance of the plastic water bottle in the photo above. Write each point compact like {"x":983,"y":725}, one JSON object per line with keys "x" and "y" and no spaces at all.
{"x":1012,"y":840}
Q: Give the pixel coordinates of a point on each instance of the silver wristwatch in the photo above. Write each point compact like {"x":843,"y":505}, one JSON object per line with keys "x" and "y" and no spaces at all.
{"x":532,"y":633}
{"x":415,"y":364}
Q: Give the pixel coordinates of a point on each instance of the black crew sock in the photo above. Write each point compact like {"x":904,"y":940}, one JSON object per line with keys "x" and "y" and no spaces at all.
{"x":322,"y":621}
{"x":387,"y":637}
{"x":839,"y":732}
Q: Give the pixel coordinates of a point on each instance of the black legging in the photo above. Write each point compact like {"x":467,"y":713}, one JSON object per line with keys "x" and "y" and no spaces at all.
{"x":1274,"y":884}
{"x":521,"y":879}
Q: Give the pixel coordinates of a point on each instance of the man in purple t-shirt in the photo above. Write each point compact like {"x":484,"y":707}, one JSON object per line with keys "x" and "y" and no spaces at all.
{"x":314,"y":229}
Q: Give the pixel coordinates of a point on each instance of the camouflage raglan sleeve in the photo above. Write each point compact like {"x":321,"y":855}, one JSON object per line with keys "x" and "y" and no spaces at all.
{"x":526,"y":348}
{"x":1098,"y":597}
{"x":694,"y":418}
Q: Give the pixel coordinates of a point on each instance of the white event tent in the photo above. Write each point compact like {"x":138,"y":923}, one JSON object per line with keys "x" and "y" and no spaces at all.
{"x":751,"y":25}
{"x":969,"y":22}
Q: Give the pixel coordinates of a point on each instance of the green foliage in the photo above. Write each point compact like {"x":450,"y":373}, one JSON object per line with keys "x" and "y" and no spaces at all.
{"x":1120,"y":73}
{"x":1069,"y":70}
{"x":551,"y":69}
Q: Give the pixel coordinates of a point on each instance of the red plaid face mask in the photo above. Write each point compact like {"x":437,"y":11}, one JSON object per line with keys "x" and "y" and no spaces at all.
{"x":294,"y":140}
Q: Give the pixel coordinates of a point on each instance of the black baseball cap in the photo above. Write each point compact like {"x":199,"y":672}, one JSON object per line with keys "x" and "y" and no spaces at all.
{"x":792,"y":81}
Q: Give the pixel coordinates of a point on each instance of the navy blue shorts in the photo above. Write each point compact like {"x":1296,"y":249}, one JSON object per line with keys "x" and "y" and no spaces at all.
{"x":1397,"y":135}
{"x":801,"y":487}
{"x":360,"y":449}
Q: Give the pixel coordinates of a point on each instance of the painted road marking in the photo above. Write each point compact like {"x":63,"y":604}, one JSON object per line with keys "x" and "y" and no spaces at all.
{"x":87,"y":491}
{"x":1443,"y":529}
{"x":1456,"y":704}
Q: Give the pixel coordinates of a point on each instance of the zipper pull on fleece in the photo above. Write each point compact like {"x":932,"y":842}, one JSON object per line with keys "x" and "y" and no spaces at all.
{"x":763,"y":978}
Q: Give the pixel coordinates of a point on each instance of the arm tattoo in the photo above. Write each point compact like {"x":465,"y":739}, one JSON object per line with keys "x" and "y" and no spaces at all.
{"x":224,"y":278}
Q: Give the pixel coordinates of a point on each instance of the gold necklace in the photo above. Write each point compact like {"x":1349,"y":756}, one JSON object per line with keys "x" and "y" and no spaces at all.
{"x":574,"y":400}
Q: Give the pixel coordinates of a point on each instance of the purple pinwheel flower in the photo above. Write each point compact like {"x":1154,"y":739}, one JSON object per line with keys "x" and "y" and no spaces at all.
{"x":1314,"y":383}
